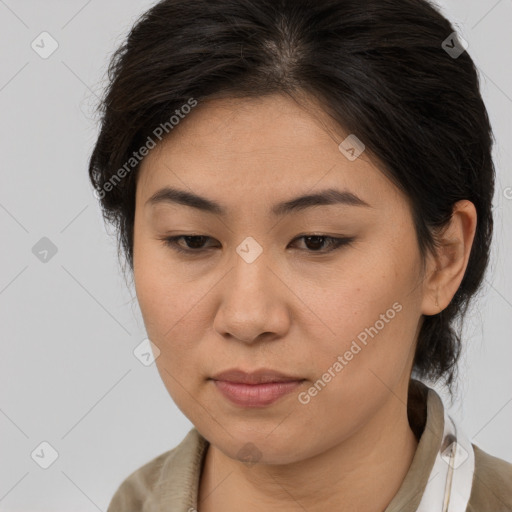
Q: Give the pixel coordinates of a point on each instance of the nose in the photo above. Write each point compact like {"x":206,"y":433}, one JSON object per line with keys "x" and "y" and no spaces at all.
{"x":253,"y":302}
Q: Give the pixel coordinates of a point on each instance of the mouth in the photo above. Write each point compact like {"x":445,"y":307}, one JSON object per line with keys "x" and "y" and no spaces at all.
{"x":262,"y":376}
{"x":255,"y":389}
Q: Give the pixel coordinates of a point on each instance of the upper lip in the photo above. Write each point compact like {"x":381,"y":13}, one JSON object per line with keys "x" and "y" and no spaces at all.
{"x":255,"y":377}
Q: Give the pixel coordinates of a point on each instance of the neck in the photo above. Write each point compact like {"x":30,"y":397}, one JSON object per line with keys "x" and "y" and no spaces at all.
{"x":363,"y":472}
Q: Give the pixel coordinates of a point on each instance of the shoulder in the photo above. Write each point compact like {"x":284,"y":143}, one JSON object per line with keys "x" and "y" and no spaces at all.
{"x":171,"y":472}
{"x":492,"y":484}
{"x":137,"y":488}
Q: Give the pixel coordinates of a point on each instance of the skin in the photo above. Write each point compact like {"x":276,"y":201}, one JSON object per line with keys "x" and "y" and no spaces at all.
{"x":292,"y":309}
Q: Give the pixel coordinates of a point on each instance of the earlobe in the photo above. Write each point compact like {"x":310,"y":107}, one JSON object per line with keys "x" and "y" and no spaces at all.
{"x":451,"y":258}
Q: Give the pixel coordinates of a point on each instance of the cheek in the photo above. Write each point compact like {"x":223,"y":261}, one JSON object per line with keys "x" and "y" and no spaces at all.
{"x":168,"y":308}
{"x":156,"y":294}
{"x":370,"y":313}
{"x":171,"y":324}
{"x":171,"y":307}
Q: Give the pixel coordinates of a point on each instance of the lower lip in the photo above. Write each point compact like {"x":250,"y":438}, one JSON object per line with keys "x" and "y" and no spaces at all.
{"x":255,"y":395}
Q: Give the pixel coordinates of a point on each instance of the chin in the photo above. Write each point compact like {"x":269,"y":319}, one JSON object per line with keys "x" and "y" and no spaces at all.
{"x":252,"y":446}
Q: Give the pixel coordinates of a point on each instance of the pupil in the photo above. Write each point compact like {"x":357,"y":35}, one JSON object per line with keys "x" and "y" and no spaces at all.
{"x":195,"y":238}
{"x":309,"y":238}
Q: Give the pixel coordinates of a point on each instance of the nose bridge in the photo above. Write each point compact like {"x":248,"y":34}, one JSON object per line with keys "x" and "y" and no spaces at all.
{"x":251,"y":267}
{"x":249,"y":304}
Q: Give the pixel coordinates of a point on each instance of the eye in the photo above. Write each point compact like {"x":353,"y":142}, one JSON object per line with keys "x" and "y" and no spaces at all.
{"x":195,"y":243}
{"x":318,"y":241}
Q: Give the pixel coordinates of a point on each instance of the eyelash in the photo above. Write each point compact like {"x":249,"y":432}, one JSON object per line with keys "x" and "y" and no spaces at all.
{"x":335,"y":243}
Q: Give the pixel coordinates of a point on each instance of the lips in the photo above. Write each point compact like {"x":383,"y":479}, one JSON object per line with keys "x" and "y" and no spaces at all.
{"x":259,"y":388}
{"x":262,"y":376}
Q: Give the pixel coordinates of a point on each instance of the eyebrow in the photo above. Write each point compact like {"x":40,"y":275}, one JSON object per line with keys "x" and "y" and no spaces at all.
{"x":325,"y":197}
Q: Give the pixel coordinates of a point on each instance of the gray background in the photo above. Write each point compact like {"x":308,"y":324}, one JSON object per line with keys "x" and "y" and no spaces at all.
{"x":69,"y":325}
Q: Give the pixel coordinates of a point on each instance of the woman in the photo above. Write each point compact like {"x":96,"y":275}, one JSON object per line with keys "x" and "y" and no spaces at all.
{"x":303,"y":192}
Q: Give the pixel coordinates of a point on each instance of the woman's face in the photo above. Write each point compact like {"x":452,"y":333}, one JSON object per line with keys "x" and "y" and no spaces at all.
{"x":258,"y":294}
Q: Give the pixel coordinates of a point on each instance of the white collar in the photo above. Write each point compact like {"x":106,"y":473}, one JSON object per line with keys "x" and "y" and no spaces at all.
{"x":451,"y":479}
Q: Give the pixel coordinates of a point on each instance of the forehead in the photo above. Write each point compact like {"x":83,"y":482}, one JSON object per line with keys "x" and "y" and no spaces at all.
{"x":267,"y":148}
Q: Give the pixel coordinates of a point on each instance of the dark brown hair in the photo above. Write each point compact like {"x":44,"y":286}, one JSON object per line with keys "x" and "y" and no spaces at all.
{"x":381,"y":71}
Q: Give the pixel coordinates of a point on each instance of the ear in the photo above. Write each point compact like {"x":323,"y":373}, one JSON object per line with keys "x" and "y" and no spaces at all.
{"x":445,"y":269}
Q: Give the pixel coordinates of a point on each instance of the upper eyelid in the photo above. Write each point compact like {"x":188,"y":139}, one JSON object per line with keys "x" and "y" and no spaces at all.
{"x":323,"y":235}
{"x":335,"y":242}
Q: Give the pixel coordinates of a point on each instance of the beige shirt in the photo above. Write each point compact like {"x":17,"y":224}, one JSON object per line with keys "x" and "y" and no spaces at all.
{"x":170,"y":482}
